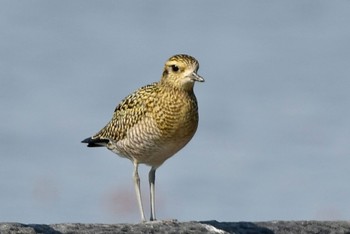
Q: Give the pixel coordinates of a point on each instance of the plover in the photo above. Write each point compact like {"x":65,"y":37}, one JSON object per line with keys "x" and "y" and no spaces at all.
{"x":153,"y":123}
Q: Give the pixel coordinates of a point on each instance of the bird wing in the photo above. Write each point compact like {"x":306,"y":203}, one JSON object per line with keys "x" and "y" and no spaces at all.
{"x":128,"y":113}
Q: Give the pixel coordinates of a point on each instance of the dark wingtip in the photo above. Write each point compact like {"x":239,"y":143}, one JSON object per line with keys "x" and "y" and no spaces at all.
{"x":87,"y":140}
{"x":95,"y":142}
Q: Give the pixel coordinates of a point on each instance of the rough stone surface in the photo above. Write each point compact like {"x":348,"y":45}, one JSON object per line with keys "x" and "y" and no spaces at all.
{"x":277,"y":227}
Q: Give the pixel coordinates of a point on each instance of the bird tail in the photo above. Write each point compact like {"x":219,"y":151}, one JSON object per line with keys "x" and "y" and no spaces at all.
{"x":95,"y":142}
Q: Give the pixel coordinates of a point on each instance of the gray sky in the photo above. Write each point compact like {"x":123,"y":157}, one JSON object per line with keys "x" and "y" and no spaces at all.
{"x":273,"y":139}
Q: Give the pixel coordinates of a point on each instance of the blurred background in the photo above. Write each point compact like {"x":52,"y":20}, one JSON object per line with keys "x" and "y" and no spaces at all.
{"x":273,"y":139}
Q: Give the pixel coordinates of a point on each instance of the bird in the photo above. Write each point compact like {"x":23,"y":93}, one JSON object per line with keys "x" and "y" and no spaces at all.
{"x":153,"y":123}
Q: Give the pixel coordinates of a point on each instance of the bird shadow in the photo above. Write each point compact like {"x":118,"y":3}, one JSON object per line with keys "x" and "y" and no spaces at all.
{"x":42,"y":228}
{"x":239,"y":227}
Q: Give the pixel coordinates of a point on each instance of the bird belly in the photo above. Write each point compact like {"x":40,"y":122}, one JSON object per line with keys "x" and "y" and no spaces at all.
{"x":146,"y":144}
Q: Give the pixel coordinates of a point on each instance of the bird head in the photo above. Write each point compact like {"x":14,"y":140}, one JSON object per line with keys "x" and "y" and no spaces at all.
{"x":181,"y":72}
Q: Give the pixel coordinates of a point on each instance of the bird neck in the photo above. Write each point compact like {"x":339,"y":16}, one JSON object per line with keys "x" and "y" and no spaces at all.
{"x":177,"y":84}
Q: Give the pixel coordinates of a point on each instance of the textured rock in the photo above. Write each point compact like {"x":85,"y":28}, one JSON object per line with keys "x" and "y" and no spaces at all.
{"x":277,"y":227}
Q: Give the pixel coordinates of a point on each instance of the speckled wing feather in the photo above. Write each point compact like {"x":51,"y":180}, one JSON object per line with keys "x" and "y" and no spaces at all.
{"x":126,"y":115}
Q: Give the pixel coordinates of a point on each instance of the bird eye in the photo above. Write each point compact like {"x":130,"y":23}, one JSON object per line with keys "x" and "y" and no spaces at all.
{"x":174,"y":68}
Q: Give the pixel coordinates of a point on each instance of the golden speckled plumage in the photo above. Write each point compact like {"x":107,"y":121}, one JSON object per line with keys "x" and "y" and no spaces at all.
{"x":157,"y":120}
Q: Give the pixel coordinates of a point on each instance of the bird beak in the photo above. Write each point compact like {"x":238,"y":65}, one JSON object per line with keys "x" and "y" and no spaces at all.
{"x":195,"y":77}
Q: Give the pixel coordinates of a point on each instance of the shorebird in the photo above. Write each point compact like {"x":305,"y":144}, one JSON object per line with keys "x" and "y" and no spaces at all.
{"x":154,"y":122}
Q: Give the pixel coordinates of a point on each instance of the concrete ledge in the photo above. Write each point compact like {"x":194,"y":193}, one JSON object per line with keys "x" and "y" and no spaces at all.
{"x":277,"y":227}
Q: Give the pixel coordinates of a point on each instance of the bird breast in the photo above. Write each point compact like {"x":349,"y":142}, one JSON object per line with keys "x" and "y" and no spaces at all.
{"x":168,"y":125}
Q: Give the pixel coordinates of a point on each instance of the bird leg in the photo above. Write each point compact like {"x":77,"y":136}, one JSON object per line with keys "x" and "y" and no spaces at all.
{"x":136,"y":178}
{"x":152,"y":178}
